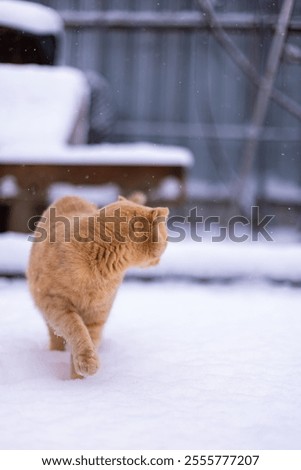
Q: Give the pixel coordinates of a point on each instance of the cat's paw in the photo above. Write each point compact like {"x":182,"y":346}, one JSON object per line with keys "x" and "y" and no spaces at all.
{"x":86,"y":363}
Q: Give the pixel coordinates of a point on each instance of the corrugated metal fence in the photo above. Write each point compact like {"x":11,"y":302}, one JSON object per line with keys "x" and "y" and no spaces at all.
{"x":175,"y":84}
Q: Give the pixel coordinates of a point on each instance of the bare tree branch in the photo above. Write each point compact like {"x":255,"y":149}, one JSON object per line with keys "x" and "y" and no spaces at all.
{"x":263,"y":97}
{"x":242,"y":62}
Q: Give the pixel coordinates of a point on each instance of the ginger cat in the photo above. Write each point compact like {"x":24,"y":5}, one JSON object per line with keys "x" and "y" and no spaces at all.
{"x":77,"y":262}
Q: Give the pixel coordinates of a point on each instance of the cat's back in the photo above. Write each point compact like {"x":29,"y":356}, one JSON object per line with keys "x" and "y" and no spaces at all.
{"x":69,"y":206}
{"x":53,"y":253}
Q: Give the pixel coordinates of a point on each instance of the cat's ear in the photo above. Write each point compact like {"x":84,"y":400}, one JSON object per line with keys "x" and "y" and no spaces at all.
{"x":160,"y":212}
{"x":138,"y":197}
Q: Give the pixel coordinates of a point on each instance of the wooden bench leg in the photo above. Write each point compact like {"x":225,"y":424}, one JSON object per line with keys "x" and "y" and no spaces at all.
{"x":21,"y":210}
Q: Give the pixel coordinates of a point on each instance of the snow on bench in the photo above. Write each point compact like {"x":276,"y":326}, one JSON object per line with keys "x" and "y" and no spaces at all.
{"x":44,"y":173}
{"x":42,"y":105}
{"x":129,"y":154}
{"x":30,"y":17}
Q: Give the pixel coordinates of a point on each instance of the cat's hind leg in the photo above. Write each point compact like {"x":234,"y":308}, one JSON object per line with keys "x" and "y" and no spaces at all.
{"x":56,"y":343}
{"x":71,"y":327}
{"x":95,"y":331}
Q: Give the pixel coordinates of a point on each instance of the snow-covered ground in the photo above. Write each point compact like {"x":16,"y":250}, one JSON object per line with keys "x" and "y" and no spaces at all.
{"x":197,"y":261}
{"x":184,"y":366}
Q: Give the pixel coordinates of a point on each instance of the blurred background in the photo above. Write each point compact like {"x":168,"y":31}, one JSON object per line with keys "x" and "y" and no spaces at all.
{"x":219,"y":78}
{"x":173,"y":82}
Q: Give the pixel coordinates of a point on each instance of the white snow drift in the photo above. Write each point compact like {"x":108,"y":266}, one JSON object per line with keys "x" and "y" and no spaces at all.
{"x":183,"y":367}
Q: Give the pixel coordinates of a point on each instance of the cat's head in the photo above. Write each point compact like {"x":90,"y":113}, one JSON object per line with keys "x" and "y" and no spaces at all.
{"x":139,"y":229}
{"x":157,"y":237}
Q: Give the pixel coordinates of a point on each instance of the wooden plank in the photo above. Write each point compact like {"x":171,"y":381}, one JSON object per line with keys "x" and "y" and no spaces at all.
{"x":170,"y":20}
{"x":201,"y":130}
{"x":38,"y":177}
{"x":35,"y":179}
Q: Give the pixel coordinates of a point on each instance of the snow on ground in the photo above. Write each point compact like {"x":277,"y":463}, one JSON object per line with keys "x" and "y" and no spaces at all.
{"x":184,"y":366}
{"x":188,"y":259}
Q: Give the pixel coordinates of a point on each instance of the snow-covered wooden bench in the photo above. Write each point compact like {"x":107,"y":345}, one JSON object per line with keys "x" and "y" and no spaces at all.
{"x":158,"y":170}
{"x":43,"y":131}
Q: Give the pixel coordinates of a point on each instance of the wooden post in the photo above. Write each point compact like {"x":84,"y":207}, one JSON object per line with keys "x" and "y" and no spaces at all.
{"x":262,"y":100}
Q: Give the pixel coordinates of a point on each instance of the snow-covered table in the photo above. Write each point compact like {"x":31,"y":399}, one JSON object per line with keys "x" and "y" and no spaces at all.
{"x":44,"y":123}
{"x":137,"y":166}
